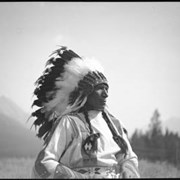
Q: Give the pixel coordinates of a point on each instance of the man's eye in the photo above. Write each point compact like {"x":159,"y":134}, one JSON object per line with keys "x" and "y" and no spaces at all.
{"x":106,"y":89}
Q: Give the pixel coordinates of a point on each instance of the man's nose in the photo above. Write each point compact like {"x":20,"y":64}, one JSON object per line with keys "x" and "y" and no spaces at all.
{"x":104,"y":94}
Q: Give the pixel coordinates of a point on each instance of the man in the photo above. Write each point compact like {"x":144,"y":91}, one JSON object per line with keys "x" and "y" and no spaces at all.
{"x":81,"y":138}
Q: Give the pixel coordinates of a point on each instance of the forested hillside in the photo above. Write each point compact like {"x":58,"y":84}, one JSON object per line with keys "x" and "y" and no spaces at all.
{"x":156,"y":145}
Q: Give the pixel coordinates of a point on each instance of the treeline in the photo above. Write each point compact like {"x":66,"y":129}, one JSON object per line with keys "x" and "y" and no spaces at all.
{"x":155,"y":145}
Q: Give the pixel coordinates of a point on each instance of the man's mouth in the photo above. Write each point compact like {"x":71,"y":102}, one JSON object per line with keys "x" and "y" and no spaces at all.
{"x":103,"y":102}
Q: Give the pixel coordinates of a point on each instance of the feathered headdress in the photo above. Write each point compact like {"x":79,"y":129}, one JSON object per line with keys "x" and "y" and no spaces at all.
{"x":64,"y":86}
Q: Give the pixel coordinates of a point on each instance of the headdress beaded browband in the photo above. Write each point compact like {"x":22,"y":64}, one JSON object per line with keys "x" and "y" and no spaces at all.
{"x":64,"y":86}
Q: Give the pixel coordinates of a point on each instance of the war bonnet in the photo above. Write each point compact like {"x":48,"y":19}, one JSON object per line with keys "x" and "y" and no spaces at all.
{"x":64,"y":86}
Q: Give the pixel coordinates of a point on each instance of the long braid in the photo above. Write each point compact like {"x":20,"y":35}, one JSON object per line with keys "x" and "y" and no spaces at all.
{"x":91,"y":139}
{"x":87,"y":120}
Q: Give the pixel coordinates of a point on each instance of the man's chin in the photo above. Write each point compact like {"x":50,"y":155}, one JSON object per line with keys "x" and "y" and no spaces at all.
{"x":97,"y":108}
{"x":101,"y":108}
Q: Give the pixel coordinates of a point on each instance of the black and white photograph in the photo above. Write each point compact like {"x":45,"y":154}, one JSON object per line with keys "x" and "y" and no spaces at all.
{"x":89,"y":90}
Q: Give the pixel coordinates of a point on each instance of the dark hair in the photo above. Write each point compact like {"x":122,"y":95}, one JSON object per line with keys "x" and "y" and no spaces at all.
{"x":85,"y":111}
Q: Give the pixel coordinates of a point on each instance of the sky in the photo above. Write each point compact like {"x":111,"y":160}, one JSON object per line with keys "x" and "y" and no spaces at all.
{"x":137,"y":43}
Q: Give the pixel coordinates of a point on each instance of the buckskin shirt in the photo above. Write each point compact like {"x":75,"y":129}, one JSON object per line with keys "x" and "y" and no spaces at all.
{"x":66,"y":150}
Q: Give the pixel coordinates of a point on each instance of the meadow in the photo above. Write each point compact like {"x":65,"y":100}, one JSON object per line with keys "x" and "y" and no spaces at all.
{"x":20,"y":168}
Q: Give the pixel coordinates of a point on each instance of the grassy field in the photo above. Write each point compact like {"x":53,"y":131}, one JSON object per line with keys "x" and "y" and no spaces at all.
{"x":21,"y":168}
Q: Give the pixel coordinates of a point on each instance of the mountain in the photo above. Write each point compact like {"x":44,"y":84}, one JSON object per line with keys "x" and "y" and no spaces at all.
{"x":16,"y":140}
{"x":12,"y":110}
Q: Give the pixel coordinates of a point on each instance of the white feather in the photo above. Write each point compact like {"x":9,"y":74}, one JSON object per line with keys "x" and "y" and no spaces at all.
{"x":74,"y":71}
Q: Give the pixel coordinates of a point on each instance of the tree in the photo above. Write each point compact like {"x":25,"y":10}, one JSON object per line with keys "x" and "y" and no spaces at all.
{"x":155,"y":131}
{"x":155,"y":125}
{"x":153,"y":145}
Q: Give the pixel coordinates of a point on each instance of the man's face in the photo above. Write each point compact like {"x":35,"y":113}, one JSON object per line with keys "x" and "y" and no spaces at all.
{"x":97,"y":99}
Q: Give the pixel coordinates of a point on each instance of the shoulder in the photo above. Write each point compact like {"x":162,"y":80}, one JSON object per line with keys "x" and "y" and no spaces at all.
{"x":72,"y":121}
{"x":72,"y":117}
{"x":64,"y":124}
{"x":68,"y":118}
